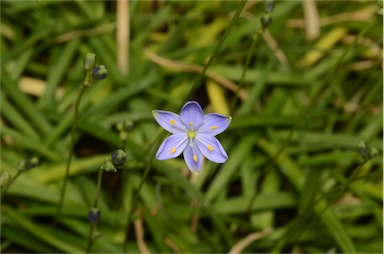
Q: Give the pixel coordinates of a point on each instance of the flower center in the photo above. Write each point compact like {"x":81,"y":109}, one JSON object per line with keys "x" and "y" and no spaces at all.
{"x":191,"y":134}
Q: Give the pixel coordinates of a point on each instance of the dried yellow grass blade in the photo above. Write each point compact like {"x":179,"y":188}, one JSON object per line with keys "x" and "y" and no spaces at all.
{"x":245,"y":242}
{"x":325,"y":43}
{"x":217,"y":97}
{"x":187,"y":67}
{"x":123,"y":36}
{"x":311,"y":17}
{"x":36,"y":87}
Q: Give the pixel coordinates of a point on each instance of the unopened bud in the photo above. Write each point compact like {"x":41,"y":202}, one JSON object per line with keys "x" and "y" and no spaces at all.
{"x":108,"y":166}
{"x":94,"y":215}
{"x":269,"y":4}
{"x":27,"y":164}
{"x":266,"y":20}
{"x":118,"y":157}
{"x":90,"y":61}
{"x":373,"y":152}
{"x":99,"y":72}
{"x":125,"y":126}
{"x":365,"y":151}
{"x":32,"y":162}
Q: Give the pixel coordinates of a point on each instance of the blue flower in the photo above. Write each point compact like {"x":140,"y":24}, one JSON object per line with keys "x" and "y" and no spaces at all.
{"x":193,"y":133}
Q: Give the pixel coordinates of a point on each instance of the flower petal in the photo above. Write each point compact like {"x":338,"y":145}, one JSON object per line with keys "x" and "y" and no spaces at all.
{"x":172,"y":146}
{"x":169,"y":121}
{"x":192,"y":115}
{"x":193,"y":157}
{"x":211,"y":148}
{"x":214,"y":124}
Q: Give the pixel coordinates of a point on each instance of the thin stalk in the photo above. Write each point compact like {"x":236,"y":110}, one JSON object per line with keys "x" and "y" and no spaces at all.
{"x":92,"y":228}
{"x":98,"y":188}
{"x":123,"y":174}
{"x":217,"y":48}
{"x":91,"y":239}
{"x":10,"y":183}
{"x":70,"y":154}
{"x":136,"y":196}
{"x":241,"y":82}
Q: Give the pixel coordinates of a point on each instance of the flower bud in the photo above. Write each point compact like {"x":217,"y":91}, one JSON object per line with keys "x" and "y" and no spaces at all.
{"x":128,"y":125}
{"x":4,"y":179}
{"x":89,"y":61}
{"x":108,"y":166}
{"x":27,"y":164}
{"x":365,"y":151}
{"x":269,"y":4}
{"x":32,"y":162}
{"x":94,"y":215}
{"x":266,"y":20}
{"x":99,"y":72}
{"x":118,"y":157}
{"x":125,"y":126}
{"x":21,"y":165}
{"x":373,"y":152}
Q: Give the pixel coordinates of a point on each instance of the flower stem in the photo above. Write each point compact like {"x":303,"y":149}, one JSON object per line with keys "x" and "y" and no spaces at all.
{"x":92,"y":228}
{"x":91,"y":239}
{"x":70,"y":154}
{"x":10,"y":183}
{"x":217,"y":48}
{"x":136,"y":196}
{"x":241,"y":82}
{"x":98,"y":188}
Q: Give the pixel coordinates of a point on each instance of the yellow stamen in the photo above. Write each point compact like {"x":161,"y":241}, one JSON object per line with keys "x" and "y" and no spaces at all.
{"x":191,"y":134}
{"x":195,"y":157}
{"x":172,"y":122}
{"x":213,"y":127}
{"x":190,"y":124}
{"x":173,"y":150}
{"x":210,"y":148}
